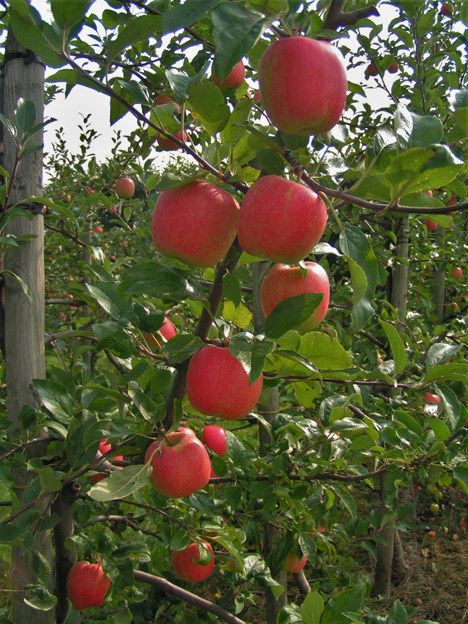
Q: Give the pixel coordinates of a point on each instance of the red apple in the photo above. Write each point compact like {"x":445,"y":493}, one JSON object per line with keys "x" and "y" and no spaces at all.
{"x":431,"y":398}
{"x":284,"y":281}
{"x":99,"y":230}
{"x":165,"y":99}
{"x":195,"y":223}
{"x":394,"y":67}
{"x":233,"y":81}
{"x":214,"y":437}
{"x":125,"y":188}
{"x":90,"y":190}
{"x":431,"y":225}
{"x":456,"y":273}
{"x":103,"y":448}
{"x":303,"y":85}
{"x":181,"y":464}
{"x":447,"y":9}
{"x":432,"y":534}
{"x":167,"y":330}
{"x":87,"y":585}
{"x":453,"y":306}
{"x":185,"y":563}
{"x":372,"y":70}
{"x":430,"y":193}
{"x":168,"y":144}
{"x":68,"y":198}
{"x":280,"y":220}
{"x":217,"y":385}
{"x":293,"y":564}
{"x":258,"y":97}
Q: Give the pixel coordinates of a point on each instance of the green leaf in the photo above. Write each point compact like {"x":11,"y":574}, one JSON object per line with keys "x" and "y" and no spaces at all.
{"x":344,"y":602}
{"x":416,"y":131}
{"x":232,"y":133}
{"x":440,"y":429}
{"x":464,"y":14}
{"x":271,"y":161}
{"x":72,"y":78}
{"x":461,"y":474}
{"x":69,"y":12}
{"x":42,"y":599}
{"x":449,"y":372}
{"x":38,"y":36}
{"x":41,"y":567}
{"x":180,"y":82}
{"x":250,"y":353}
{"x":206,"y":102}
{"x":25,"y":115}
{"x":55,"y":397}
{"x":458,"y":104}
{"x":137,"y":29}
{"x":440,"y":353}
{"x":232,"y":289}
{"x":312,"y":608}
{"x":136,"y":90}
{"x":397,"y":346}
{"x":451,"y":404}
{"x":181,"y":16}
{"x":405,"y":169}
{"x":246,"y":148}
{"x":325,"y":353}
{"x":236,"y":31}
{"x":160,"y":280}
{"x":291,"y":314}
{"x":182,"y":347}
{"x":121,"y":483}
{"x":117,"y":336}
{"x":397,"y":614}
{"x":346,"y":498}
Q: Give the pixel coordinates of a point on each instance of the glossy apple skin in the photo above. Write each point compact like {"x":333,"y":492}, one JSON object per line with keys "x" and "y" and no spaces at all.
{"x":283,"y":281}
{"x":431,"y":225}
{"x":167,"y":330}
{"x":233,"y":81}
{"x":293,"y":564}
{"x":103,"y":448}
{"x":189,"y":570}
{"x":431,"y":398}
{"x":181,"y":469}
{"x":87,"y":585}
{"x":167,"y":144}
{"x":217,"y":385}
{"x":195,"y":223}
{"x":125,"y":188}
{"x":456,"y":273}
{"x":280,"y":220}
{"x":303,"y":85}
{"x":214,"y":437}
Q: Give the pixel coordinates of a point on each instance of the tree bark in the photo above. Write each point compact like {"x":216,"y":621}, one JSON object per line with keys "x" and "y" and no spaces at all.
{"x":24,"y":316}
{"x":273,"y":605}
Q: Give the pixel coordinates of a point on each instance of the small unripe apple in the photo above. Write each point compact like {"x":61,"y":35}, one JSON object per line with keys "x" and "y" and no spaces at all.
{"x":67,"y":198}
{"x":453,"y":307}
{"x":372,"y":70}
{"x":280,"y":220}
{"x":125,"y":188}
{"x":214,"y":437}
{"x":432,"y":488}
{"x":185,"y":563}
{"x":434,"y":508}
{"x":87,"y":585}
{"x":303,"y":85}
{"x":283,"y":282}
{"x":233,"y":81}
{"x":431,"y":225}
{"x":217,"y":385}
{"x":417,"y":602}
{"x":456,"y":273}
{"x":431,"y":398}
{"x":293,"y":564}
{"x":168,"y":144}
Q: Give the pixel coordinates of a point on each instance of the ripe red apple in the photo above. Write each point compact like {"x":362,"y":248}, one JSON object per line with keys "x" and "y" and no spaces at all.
{"x":189,"y":570}
{"x":258,"y":97}
{"x":283,"y":282}
{"x":431,"y":398}
{"x":217,"y":385}
{"x":430,"y":193}
{"x":280,"y":220}
{"x":125,"y":188}
{"x":233,"y":81}
{"x":431,"y":225}
{"x":453,"y":306}
{"x":303,"y":85}
{"x":165,"y":99}
{"x":181,"y":464}
{"x":293,"y":564}
{"x":67,"y":198}
{"x":99,"y":230}
{"x":214,"y":437}
{"x":432,"y":534}
{"x":103,"y":448}
{"x":168,"y":144}
{"x":456,"y":273}
{"x":394,"y":67}
{"x":167,"y":330}
{"x":90,"y":190}
{"x":195,"y":223}
{"x":372,"y":70}
{"x":447,"y":9}
{"x":87,"y":585}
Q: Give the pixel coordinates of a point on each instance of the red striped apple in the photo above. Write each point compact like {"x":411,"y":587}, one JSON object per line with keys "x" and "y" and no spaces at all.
{"x":181,"y":464}
{"x":217,"y":385}
{"x":283,"y":282}
{"x":195,"y":223}
{"x":189,"y":570}
{"x":87,"y":585}
{"x":303,"y":85}
{"x":280,"y":220}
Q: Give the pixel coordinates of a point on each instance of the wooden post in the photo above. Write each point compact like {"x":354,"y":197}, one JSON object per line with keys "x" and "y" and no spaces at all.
{"x":24,"y":316}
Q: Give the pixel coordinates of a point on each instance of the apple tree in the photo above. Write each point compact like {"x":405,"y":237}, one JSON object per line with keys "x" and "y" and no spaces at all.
{"x":334,"y":375}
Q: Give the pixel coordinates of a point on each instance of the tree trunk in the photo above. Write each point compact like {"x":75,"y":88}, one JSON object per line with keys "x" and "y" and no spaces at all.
{"x":24,"y":316}
{"x":273,"y":605}
{"x":398,"y":299}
